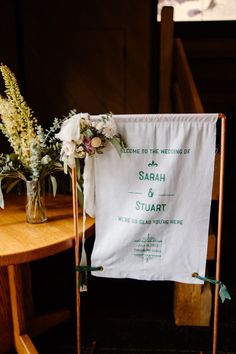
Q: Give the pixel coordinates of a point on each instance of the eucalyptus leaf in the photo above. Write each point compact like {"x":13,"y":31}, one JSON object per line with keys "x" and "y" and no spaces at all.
{"x":89,"y":133}
{"x":8,"y":182}
{"x":117,"y":145}
{"x":45,"y":160}
{"x":77,"y":165}
{"x":78,"y":187}
{"x":58,"y":164}
{"x":80,"y":198}
{"x":65,"y":165}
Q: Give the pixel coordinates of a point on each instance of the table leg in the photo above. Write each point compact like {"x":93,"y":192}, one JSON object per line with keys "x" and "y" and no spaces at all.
{"x":23,"y":343}
{"x":6,"y":336}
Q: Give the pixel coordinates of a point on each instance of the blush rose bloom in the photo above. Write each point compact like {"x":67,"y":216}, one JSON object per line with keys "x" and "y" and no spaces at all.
{"x":96,"y":142}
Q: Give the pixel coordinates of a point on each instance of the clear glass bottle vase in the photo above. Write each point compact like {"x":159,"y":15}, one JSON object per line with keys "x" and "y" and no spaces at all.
{"x":35,"y":204}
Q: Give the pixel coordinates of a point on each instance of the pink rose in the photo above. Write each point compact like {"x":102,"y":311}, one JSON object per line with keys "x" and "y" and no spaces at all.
{"x":88,"y":147}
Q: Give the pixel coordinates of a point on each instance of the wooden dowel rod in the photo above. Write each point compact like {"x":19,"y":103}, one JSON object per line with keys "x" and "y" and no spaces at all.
{"x":76,"y":235}
{"x":219,"y":231}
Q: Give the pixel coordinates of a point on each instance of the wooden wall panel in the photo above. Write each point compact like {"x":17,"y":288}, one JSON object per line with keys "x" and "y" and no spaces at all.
{"x":8,"y":48}
{"x":92,"y":56}
{"x":213,"y":63}
{"x":8,"y":30}
{"x":87,"y":77}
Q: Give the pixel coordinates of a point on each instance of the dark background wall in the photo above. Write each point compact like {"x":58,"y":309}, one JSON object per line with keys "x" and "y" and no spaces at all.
{"x":101,"y":55}
{"x":94,"y":56}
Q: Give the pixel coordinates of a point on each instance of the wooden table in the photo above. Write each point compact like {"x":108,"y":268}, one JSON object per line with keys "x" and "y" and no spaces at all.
{"x":21,"y":243}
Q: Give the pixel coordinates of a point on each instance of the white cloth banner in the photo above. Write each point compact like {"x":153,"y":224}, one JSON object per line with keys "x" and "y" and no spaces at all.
{"x":153,"y":203}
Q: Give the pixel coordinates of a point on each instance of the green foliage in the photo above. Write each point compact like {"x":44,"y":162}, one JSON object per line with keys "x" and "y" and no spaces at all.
{"x":36,"y":152}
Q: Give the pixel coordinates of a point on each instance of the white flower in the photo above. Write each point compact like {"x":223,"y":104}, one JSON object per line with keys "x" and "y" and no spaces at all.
{"x":79,"y":149}
{"x":68,"y":147}
{"x":81,"y":154}
{"x":85,"y":118}
{"x":109,"y":129}
{"x":70,"y":129}
{"x":100,"y":125}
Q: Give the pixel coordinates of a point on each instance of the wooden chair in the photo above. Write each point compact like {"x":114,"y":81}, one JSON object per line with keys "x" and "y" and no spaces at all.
{"x":178,"y":94}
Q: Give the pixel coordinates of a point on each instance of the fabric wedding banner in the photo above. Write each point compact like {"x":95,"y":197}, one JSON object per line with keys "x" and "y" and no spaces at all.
{"x":152,"y":204}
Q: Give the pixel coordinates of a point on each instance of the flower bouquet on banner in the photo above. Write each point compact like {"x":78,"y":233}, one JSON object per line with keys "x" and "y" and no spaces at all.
{"x":36,"y":151}
{"x":83,"y":136}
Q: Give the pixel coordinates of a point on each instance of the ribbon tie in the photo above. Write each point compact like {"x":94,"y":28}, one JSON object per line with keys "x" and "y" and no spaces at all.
{"x":223,"y":292}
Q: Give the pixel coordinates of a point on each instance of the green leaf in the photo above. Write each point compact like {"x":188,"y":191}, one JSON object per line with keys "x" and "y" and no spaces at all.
{"x":8,"y":182}
{"x":88,"y":133}
{"x":12,"y":185}
{"x":54,"y":185}
{"x":65,"y":165}
{"x":58,"y":164}
{"x":45,"y":160}
{"x":78,"y":187}
{"x":77,"y":166}
{"x":116,"y":144}
{"x":80,"y":197}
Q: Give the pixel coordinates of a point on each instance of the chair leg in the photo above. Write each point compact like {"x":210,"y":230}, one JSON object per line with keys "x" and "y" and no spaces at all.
{"x":92,"y":351}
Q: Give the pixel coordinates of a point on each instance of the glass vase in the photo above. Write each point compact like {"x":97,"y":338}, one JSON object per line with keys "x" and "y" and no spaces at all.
{"x":35,"y":204}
